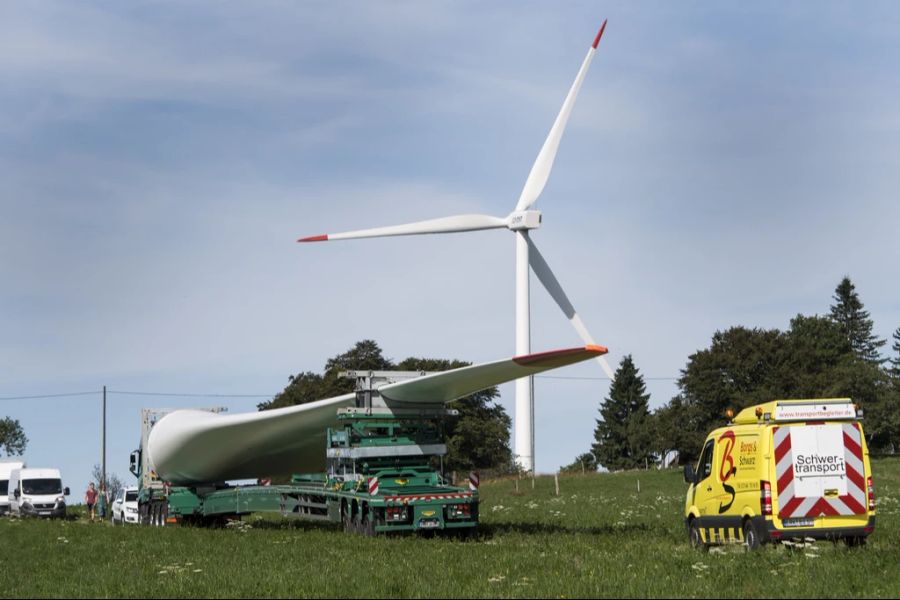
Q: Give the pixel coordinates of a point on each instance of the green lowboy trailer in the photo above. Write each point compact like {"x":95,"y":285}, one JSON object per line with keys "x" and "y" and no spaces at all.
{"x":384,"y":473}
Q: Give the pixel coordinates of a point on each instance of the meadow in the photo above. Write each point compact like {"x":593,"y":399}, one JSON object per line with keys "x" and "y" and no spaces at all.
{"x":605,"y":535}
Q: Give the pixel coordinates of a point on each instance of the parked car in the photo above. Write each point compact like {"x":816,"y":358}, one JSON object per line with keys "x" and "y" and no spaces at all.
{"x":125,"y":506}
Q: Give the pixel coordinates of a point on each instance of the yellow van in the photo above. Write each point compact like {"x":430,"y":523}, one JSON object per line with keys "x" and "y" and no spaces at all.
{"x":780,"y":470}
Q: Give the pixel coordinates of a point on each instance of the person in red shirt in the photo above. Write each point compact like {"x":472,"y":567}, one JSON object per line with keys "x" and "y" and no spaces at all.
{"x":90,"y":498}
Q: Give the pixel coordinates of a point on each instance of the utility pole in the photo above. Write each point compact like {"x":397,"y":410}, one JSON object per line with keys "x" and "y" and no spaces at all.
{"x":103,"y":448}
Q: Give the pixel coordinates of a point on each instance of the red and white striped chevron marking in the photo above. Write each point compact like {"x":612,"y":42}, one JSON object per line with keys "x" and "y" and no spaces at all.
{"x":474,"y":480}
{"x":373,"y":486}
{"x":427,"y":497}
{"x":851,"y":503}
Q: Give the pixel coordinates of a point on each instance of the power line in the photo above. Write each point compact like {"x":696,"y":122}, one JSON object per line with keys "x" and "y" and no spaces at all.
{"x":214,"y":395}
{"x":189,"y":395}
{"x":602,"y":378}
{"x":133,"y":393}
{"x":43,"y":396}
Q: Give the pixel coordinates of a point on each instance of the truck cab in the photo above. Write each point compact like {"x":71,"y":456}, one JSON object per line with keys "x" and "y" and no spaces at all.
{"x":783,"y":469}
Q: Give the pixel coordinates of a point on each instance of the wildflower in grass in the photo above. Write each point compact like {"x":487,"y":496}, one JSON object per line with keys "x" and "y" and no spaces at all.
{"x":496,"y":579}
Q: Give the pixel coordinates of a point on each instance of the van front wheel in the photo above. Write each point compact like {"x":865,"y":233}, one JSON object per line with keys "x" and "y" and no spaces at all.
{"x":696,"y":538}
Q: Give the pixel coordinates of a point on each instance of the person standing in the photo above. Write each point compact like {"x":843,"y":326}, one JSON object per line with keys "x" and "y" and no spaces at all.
{"x":90,"y":498}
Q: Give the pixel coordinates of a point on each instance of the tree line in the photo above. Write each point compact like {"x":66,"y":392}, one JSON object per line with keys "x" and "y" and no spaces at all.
{"x":830,"y":356}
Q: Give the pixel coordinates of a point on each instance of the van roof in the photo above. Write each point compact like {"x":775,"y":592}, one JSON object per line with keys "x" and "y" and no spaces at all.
{"x":807,"y":409}
{"x":38,"y":473}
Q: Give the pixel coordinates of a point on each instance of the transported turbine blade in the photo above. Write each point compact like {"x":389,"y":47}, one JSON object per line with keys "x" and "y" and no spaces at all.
{"x":451,"y":385}
{"x":540,"y":171}
{"x":549,"y":281}
{"x":443,"y":225}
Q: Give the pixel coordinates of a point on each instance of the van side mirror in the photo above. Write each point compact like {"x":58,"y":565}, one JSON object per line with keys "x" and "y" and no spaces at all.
{"x":66,"y":492}
{"x":689,"y":475}
{"x":16,"y":492}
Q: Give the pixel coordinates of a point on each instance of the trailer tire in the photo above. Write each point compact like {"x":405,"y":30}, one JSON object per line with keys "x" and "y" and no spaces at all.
{"x":367,"y":527}
{"x":346,"y":520}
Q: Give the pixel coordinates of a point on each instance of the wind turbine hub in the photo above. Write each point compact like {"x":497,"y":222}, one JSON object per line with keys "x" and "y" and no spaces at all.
{"x":521,"y":220}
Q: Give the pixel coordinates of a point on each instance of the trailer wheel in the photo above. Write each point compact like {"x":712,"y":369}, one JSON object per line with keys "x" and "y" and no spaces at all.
{"x":856,"y":541}
{"x":346,"y":521}
{"x":367,"y":527}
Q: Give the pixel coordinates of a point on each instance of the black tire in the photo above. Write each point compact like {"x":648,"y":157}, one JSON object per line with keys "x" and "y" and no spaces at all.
{"x":752,"y":541}
{"x":695,"y":538}
{"x":367,"y":527}
{"x":856,"y":541}
{"x":346,"y":521}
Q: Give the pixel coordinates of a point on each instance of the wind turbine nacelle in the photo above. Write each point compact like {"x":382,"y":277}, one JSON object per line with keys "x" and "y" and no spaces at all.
{"x":524,"y":219}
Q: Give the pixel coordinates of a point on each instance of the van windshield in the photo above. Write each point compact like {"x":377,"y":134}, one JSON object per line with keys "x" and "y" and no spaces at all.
{"x":40,"y":487}
{"x":131,"y":496}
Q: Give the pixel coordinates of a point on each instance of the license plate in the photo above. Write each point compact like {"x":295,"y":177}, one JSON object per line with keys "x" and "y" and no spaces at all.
{"x":429,"y":523}
{"x":798,"y":522}
{"x":43,"y":513}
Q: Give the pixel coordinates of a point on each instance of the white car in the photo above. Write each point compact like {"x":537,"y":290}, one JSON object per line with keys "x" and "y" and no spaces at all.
{"x":125,"y":506}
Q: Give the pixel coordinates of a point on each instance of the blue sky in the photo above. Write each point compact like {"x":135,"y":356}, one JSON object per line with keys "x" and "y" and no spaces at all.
{"x":726,"y":164}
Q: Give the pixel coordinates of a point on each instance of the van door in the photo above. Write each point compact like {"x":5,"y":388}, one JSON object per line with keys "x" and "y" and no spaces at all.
{"x":819,"y":471}
{"x":719,"y":486}
{"x":15,"y":492}
{"x":703,"y":486}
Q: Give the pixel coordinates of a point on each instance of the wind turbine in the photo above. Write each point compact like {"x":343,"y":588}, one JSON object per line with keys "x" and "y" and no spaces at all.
{"x":519,"y":221}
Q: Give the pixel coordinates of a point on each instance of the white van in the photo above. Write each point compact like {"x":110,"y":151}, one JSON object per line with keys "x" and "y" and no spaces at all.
{"x":37,"y":492}
{"x":6,"y":468}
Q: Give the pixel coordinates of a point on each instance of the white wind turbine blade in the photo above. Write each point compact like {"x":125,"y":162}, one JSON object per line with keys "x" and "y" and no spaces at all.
{"x":443,"y":225}
{"x":548,"y":279}
{"x":540,"y":171}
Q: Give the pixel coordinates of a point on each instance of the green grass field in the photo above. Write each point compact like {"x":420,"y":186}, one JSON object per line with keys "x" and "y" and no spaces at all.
{"x":600,"y":537}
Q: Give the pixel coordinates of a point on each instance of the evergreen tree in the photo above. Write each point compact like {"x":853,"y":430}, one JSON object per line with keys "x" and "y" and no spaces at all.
{"x":894,"y":369}
{"x":848,"y":312}
{"x":622,"y":439}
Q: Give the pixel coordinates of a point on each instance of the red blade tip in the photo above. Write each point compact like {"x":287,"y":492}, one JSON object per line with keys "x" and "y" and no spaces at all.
{"x":315,"y":238}
{"x":599,"y":34}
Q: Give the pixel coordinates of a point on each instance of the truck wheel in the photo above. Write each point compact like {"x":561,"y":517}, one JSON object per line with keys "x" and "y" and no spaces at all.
{"x":751,"y":536}
{"x":856,"y":541}
{"x":696,"y":538}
